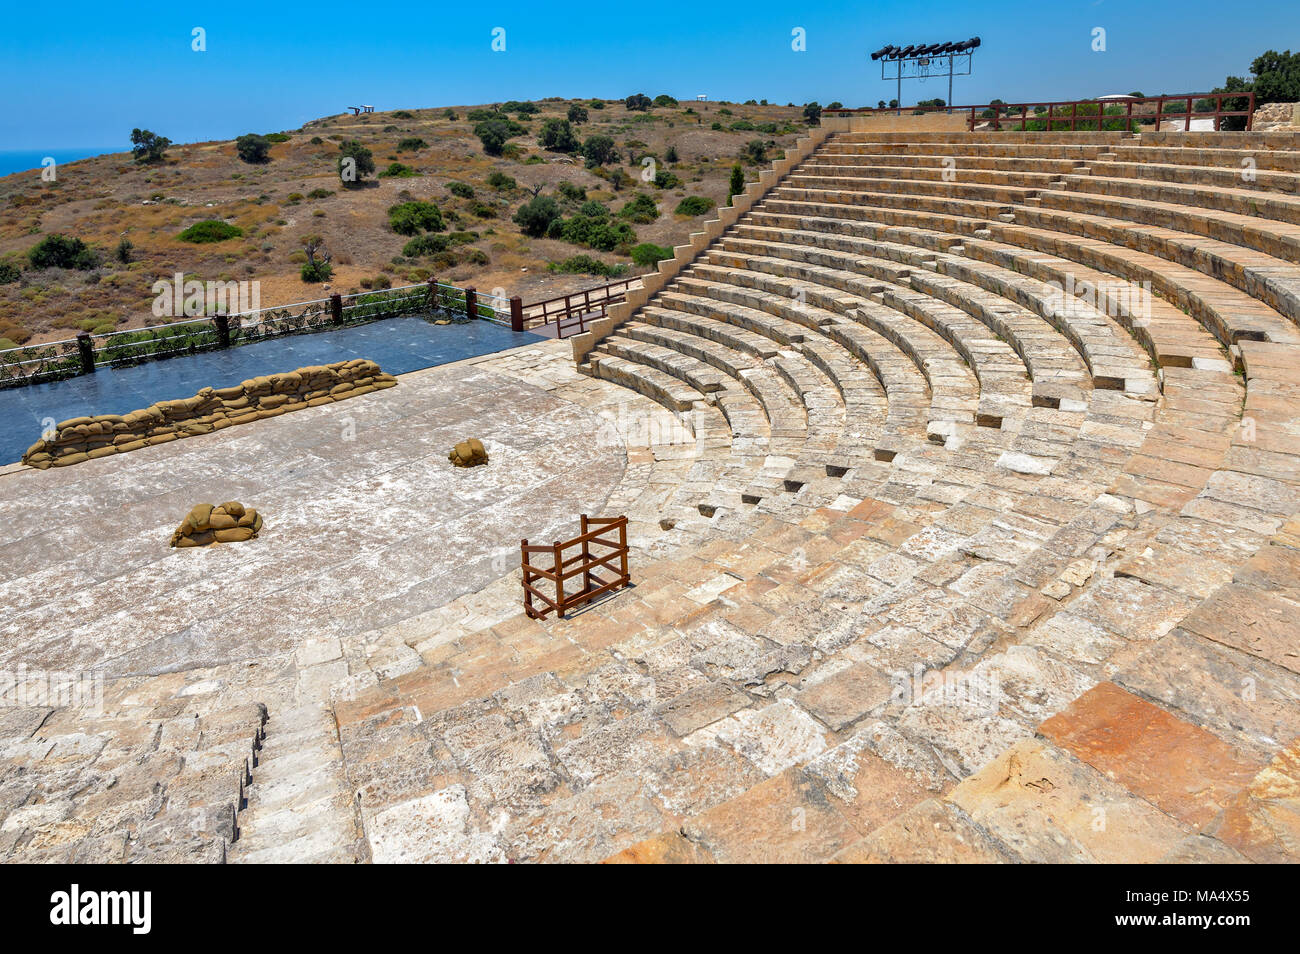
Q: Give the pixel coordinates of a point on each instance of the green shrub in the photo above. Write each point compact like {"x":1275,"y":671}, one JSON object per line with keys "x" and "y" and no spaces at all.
{"x":640,"y":209}
{"x":599,"y":151}
{"x":501,"y":182}
{"x":411,"y":144}
{"x":639,"y":102}
{"x":355,"y":162}
{"x":536,"y":216}
{"x":122,"y":253}
{"x":666,"y":180}
{"x":492,"y":133}
{"x":557,"y":136}
{"x":397,"y":170}
{"x":693,"y":205}
{"x":277,"y":137}
{"x":210,"y":230}
{"x":319,"y":194}
{"x":572,"y":192}
{"x":663,"y":99}
{"x":460,"y":189}
{"x":647,"y":254}
{"x":737,"y":183}
{"x":411,"y":218}
{"x":671,"y":154}
{"x":586,"y":265}
{"x":253,"y":149}
{"x":577,"y":114}
{"x":597,"y":232}
{"x":9,"y":273}
{"x":316,"y":271}
{"x":426,"y":245}
{"x":403,"y":114}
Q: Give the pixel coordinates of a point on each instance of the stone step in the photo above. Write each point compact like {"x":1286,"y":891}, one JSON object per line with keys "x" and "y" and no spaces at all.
{"x":300,"y":808}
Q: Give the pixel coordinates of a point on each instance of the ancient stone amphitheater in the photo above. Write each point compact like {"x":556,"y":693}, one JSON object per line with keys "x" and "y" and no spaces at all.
{"x":985,"y":549}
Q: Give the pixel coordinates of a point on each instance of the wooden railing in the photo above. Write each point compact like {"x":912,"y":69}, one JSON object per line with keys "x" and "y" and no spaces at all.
{"x":571,"y":313}
{"x":582,"y":563}
{"x":1064,"y":114}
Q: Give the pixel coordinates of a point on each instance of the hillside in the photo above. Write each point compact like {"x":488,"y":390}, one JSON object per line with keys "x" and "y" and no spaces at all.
{"x":297,"y":192}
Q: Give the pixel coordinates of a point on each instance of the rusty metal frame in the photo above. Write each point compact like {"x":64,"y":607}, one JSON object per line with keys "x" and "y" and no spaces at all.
{"x":583,"y":562}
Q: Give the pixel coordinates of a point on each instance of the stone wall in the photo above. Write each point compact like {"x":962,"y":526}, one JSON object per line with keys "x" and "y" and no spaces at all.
{"x":85,"y":438}
{"x":1277,"y":116}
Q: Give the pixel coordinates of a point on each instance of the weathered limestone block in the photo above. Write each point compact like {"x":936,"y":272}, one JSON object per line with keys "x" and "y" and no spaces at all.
{"x":468,"y":453}
{"x":231,"y":522}
{"x":212,"y":409}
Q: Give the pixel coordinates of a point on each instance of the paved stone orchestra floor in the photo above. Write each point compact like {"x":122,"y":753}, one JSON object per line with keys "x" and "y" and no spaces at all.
{"x":367,"y":525}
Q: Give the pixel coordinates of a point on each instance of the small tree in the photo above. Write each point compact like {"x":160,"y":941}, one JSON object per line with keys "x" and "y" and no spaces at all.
{"x":314,"y":269}
{"x":812,"y":114}
{"x":535,"y":216}
{"x":599,"y":150}
{"x":492,"y":133}
{"x":123,"y":251}
{"x":737,"y":183}
{"x":557,"y":136}
{"x":59,"y":251}
{"x":252,"y":148}
{"x":355,"y":162}
{"x":148,"y":147}
{"x":577,"y":114}
{"x":663,"y":99}
{"x":671,"y":154}
{"x":638,"y":102}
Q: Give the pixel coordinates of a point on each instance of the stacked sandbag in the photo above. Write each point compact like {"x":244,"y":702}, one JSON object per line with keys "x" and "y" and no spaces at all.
{"x":85,"y":438}
{"x":231,"y":522}
{"x":468,"y":453}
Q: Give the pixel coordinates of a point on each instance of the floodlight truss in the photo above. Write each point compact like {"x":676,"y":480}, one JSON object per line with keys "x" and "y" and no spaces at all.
{"x":922,"y":61}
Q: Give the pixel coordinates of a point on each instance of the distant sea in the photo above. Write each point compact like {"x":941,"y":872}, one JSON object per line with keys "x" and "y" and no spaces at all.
{"x":25,"y":159}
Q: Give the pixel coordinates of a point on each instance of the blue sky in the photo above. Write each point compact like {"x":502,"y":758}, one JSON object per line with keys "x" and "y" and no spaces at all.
{"x":83,"y":74}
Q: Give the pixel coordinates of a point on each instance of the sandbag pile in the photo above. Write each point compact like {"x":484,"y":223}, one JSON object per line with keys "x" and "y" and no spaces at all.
{"x":85,"y":438}
{"x":231,"y":522}
{"x":468,"y":453}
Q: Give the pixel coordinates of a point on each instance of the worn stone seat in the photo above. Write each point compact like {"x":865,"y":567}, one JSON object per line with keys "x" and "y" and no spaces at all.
{"x":1229,"y":312}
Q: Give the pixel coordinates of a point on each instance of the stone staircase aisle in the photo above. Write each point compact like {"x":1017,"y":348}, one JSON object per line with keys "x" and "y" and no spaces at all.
{"x":299,"y":807}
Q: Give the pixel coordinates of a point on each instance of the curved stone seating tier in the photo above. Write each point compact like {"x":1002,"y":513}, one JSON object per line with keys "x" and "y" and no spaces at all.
{"x":1229,"y":312}
{"x":1279,"y":160}
{"x":1129,"y":166}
